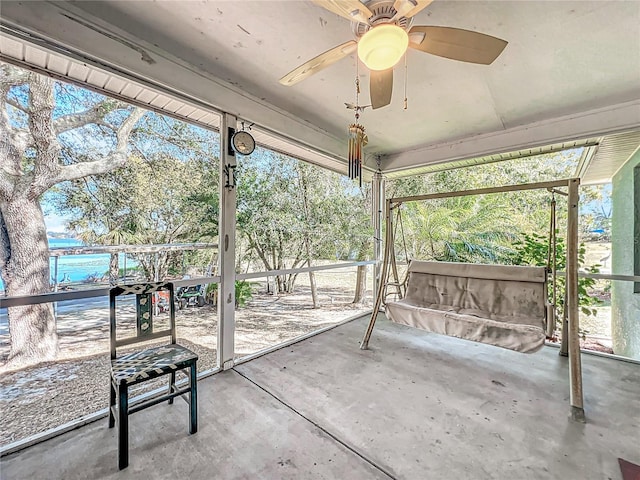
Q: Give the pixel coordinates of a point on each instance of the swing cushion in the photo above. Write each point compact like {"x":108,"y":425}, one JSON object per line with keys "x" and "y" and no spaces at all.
{"x":501,"y":305}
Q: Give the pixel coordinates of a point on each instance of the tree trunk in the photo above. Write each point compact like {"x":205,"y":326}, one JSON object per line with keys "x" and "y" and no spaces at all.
{"x":314,"y":290}
{"x":114,"y":269}
{"x":25,"y":271}
{"x":361,"y":277}
{"x":307,"y":242}
{"x":24,"y":255}
{"x":361,"y":285}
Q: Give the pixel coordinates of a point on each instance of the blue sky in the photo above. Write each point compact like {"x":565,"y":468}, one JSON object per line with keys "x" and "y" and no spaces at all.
{"x":55,"y":223}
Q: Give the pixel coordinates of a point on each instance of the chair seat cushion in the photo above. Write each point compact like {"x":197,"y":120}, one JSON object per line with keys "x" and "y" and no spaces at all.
{"x":151,"y":363}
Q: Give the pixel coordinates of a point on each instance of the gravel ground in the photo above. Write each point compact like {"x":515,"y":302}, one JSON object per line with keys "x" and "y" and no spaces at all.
{"x":51,"y":394}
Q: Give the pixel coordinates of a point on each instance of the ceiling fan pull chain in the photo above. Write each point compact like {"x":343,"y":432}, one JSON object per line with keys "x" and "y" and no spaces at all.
{"x":406,"y":74}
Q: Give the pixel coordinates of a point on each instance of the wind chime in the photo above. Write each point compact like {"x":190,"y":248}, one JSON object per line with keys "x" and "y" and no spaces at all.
{"x":357,"y":139}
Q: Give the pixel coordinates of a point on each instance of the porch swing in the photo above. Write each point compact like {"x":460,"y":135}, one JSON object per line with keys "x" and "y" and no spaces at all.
{"x":502,"y":305}
{"x":550,"y":290}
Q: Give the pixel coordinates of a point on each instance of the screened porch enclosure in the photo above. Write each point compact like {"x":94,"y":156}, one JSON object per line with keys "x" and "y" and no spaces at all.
{"x":286,"y":389}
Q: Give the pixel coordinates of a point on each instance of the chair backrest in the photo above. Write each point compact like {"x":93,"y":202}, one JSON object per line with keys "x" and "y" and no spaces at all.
{"x":144,"y":313}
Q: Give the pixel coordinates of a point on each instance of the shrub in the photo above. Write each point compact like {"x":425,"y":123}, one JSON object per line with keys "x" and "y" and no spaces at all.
{"x":533,"y":250}
{"x":244,"y":292}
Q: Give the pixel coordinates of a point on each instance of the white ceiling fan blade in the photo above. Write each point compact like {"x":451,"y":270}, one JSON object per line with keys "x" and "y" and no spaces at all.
{"x":318,"y":63}
{"x":380,"y":87}
{"x":456,"y":44}
{"x":408,"y":8}
{"x":349,"y":9}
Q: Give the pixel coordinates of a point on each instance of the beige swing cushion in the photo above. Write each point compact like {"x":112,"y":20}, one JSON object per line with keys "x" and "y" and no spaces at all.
{"x":502,"y":305}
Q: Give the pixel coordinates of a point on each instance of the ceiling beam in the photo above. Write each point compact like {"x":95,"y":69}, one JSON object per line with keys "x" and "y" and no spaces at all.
{"x":593,"y":123}
{"x":67,"y":28}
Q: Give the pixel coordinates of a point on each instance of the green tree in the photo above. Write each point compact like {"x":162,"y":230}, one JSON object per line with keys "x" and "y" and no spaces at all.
{"x":480,"y":228}
{"x":148,"y":201}
{"x":461,"y":229}
{"x":49,"y":133}
{"x":290,"y":213}
{"x":267,"y":215}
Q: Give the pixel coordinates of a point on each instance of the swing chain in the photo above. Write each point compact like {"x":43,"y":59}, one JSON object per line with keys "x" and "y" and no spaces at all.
{"x":404,"y":240}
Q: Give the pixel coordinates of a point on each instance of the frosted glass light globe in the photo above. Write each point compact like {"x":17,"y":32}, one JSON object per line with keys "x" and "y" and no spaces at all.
{"x":383,"y":46}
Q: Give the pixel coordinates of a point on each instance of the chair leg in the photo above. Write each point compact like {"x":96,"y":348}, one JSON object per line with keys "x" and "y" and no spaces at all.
{"x":193,"y":399}
{"x":172,"y":383}
{"x":123,"y":426}
{"x":112,"y":402}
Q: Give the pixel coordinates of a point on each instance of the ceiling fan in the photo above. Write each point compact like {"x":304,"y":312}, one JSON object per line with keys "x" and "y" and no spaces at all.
{"x":384,"y":30}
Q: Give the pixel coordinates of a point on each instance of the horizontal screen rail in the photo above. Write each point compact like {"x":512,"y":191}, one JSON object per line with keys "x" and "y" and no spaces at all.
{"x":24,"y":300}
{"x":273,"y":273}
{"x":605,"y":276}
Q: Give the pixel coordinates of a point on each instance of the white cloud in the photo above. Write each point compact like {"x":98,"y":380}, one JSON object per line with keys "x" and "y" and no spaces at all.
{"x":55,"y":223}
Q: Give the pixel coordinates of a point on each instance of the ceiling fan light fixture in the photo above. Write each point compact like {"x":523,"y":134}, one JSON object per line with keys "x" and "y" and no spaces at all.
{"x":383,"y":46}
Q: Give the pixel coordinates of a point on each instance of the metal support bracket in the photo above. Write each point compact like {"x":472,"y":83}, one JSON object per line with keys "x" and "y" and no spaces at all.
{"x":230,"y":176}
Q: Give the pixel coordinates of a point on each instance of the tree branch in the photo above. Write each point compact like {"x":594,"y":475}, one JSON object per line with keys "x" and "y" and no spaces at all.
{"x":16,"y":105}
{"x":127,"y":126}
{"x":41,"y":106}
{"x":43,"y":135}
{"x":12,"y":75}
{"x":95,"y":115}
{"x":256,"y":247}
{"x":117,"y":159}
{"x":12,"y":146}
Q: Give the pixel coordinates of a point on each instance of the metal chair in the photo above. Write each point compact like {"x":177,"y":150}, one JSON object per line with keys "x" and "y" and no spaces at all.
{"x":142,"y":365}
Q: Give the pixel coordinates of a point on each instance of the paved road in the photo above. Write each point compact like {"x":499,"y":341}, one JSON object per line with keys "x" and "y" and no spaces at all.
{"x":68,"y":306}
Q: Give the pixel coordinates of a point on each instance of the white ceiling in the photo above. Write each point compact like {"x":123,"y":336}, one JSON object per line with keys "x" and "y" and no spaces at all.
{"x":571,"y":69}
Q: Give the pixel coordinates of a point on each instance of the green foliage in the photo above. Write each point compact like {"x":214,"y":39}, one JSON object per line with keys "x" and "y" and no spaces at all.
{"x":211,"y":293}
{"x":479,"y":228}
{"x":290,"y":213}
{"x":463,"y":229}
{"x":244,"y":292}
{"x":533,"y":249}
{"x":144,"y":202}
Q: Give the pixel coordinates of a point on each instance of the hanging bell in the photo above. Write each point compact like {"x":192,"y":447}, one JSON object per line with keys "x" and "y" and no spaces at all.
{"x":357,"y":140}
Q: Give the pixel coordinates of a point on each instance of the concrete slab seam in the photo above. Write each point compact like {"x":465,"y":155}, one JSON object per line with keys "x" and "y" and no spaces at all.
{"x":319,"y":427}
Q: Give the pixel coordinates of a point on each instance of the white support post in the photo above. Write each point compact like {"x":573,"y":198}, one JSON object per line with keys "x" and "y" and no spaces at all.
{"x":377,"y":203}
{"x":575,"y":364}
{"x":227,"y":246}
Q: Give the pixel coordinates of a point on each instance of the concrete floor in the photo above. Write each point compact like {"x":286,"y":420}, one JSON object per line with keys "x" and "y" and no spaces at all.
{"x":415,"y":406}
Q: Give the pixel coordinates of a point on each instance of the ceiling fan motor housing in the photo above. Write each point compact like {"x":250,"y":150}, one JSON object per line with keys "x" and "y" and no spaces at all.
{"x":383,"y":12}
